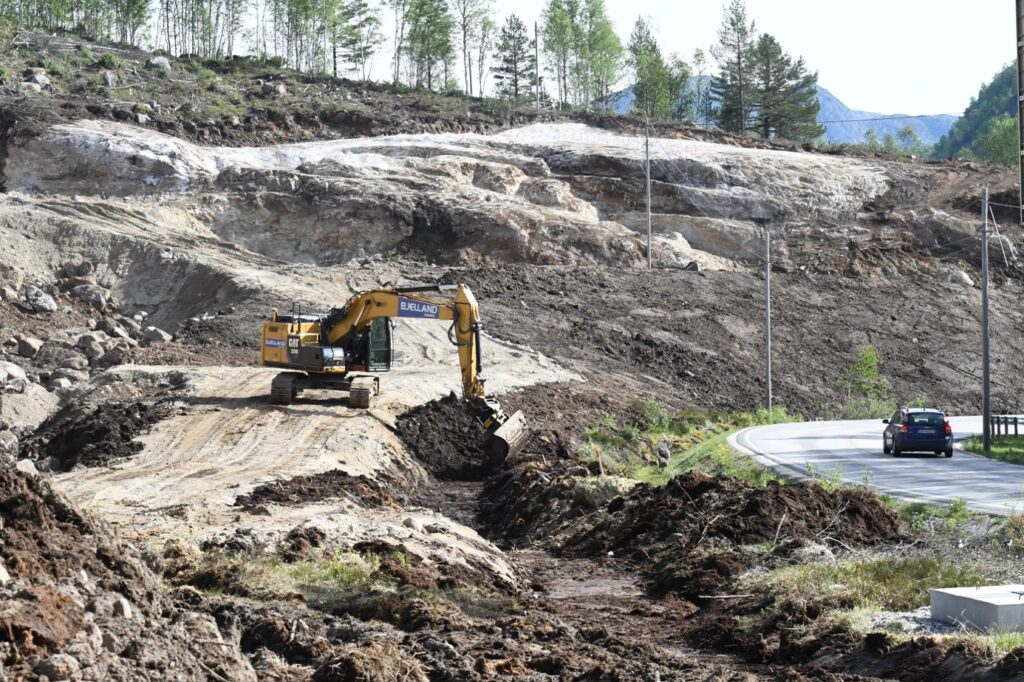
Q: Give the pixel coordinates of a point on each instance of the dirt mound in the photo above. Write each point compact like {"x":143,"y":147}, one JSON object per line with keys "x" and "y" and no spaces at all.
{"x":78,"y":599}
{"x":304,"y":489}
{"x":93,"y":436}
{"x":445,"y":439}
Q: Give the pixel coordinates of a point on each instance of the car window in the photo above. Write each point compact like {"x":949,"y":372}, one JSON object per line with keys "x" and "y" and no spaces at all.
{"x":896,"y":418}
{"x":929,"y":418}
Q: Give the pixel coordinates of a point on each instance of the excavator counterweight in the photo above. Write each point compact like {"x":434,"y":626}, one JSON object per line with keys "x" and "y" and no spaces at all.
{"x":333,"y":351}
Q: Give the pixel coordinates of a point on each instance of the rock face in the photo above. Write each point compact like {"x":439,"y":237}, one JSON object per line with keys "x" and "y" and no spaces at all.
{"x":546,"y":193}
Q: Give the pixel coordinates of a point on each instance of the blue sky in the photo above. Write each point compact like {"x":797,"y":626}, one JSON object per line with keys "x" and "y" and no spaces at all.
{"x":890,"y":56}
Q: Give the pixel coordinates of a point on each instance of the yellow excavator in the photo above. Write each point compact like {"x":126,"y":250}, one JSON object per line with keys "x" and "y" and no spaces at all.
{"x":341,"y":350}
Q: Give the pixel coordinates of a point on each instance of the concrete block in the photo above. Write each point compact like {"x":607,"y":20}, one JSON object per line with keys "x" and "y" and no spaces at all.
{"x":996,"y":607}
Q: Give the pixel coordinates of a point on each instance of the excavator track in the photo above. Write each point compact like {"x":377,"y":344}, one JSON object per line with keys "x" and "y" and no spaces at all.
{"x":283,"y":388}
{"x":362,"y":391}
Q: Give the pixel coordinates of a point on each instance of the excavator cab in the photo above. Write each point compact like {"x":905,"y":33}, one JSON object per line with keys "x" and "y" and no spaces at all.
{"x":379,"y":348}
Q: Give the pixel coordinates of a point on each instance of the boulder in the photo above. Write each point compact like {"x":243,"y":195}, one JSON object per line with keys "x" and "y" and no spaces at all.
{"x":77,"y":363}
{"x":11,"y":372}
{"x":155,"y":335}
{"x":28,"y":346}
{"x":158,"y":63}
{"x":72,"y":375}
{"x":8,"y":443}
{"x":141,"y":119}
{"x":91,"y":337}
{"x":957,"y":276}
{"x":93,"y":294}
{"x":27,"y":466}
{"x":8,"y":294}
{"x":34,"y":88}
{"x":57,"y":668}
{"x":274,"y":89}
{"x":110,"y":79}
{"x":60,"y":384}
{"x":40,"y":79}
{"x":597,"y":491}
{"x":94,"y":351}
{"x":40,"y":301}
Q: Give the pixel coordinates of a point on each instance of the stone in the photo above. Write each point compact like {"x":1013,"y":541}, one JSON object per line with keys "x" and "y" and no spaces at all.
{"x":960,"y":277}
{"x":73,"y":375}
{"x":141,"y":119}
{"x":597,"y":491}
{"x":122,"y":608}
{"x":110,"y":78}
{"x":155,"y":335}
{"x":8,"y":294}
{"x":11,"y":372}
{"x":142,"y":108}
{"x":57,"y":668}
{"x":813,"y":552}
{"x":84,"y":340}
{"x":413,"y":524}
{"x":133,"y":327}
{"x":60,"y":384}
{"x":27,"y":466}
{"x":28,"y":346}
{"x":111,"y":643}
{"x":94,"y":351}
{"x":274,"y":89}
{"x":158,"y":63}
{"x":30,"y":87}
{"x":40,"y":79}
{"x":5,"y":577}
{"x":77,"y":363}
{"x":40,"y":301}
{"x":8,"y":442}
{"x":664,"y":449}
{"x":85,"y":269}
{"x":93,"y":294}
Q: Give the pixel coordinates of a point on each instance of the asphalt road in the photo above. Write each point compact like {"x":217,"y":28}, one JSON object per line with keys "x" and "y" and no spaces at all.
{"x":855,"y":447}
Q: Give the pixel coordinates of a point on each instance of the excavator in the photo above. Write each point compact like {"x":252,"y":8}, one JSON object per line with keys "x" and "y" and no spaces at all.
{"x":341,"y":350}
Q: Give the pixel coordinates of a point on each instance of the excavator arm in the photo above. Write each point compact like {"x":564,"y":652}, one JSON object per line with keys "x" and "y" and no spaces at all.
{"x":505,"y":435}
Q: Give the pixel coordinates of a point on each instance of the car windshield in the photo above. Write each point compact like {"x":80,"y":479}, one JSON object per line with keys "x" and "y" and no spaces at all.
{"x":930,"y":418}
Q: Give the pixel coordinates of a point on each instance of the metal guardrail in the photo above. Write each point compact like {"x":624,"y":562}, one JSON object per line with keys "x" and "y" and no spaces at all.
{"x":1002,"y":424}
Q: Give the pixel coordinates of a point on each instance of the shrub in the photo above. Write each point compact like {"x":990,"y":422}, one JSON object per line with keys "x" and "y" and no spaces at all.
{"x":109,"y":61}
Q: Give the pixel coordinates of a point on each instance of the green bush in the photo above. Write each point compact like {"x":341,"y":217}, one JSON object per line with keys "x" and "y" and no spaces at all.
{"x":109,"y":61}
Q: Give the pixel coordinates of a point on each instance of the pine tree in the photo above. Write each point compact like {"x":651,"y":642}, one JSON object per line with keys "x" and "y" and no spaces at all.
{"x":514,"y":72}
{"x":650,"y":74}
{"x":732,"y":88}
{"x":784,"y":97}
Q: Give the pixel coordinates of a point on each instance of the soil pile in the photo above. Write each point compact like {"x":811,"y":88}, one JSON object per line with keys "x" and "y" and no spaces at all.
{"x":77,"y":603}
{"x":690,"y":532}
{"x":444,"y":437}
{"x":93,"y":436}
{"x":305,"y":489}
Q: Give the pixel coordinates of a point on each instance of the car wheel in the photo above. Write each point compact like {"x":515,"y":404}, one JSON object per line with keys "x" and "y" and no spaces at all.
{"x":885,"y":446}
{"x":895,"y":450}
{"x":949,"y":453}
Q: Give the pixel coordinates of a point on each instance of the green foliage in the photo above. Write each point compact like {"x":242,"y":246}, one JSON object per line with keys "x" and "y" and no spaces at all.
{"x":698,"y":442}
{"x":5,"y":75}
{"x":733,"y":88}
{"x":889,"y":584}
{"x":48,"y":62}
{"x":429,"y":44}
{"x":863,"y":378}
{"x":993,"y":101}
{"x":109,"y":61}
{"x":784,"y":92}
{"x":920,"y":515}
{"x":1005,"y":448}
{"x":582,"y":50}
{"x":356,"y":36}
{"x":830,"y":480}
{"x":661,"y":87}
{"x":1000,"y":141}
{"x":514,"y":68}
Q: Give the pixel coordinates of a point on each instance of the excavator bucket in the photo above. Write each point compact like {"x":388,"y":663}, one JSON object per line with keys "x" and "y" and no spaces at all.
{"x":507,"y":440}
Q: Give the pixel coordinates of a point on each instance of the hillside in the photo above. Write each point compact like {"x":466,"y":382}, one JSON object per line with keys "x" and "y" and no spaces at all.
{"x":994,"y":99}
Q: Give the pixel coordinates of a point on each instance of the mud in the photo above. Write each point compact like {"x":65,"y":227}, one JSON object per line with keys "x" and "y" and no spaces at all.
{"x":93,"y":436}
{"x":315,"y":488}
{"x":444,"y":437}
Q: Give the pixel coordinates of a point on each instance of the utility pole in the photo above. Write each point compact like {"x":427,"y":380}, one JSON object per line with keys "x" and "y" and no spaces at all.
{"x":1020,"y":99}
{"x":768,"y":314}
{"x":536,"y":64}
{"x":647,"y":173}
{"x":986,"y":403}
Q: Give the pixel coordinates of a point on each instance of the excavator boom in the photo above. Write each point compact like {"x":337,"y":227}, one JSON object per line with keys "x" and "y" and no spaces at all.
{"x":326,"y":349}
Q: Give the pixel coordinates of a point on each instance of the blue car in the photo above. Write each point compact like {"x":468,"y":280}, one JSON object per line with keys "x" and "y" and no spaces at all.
{"x":922,"y":429}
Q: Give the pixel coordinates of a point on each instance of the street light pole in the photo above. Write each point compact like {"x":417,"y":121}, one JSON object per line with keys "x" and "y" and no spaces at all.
{"x":986,"y":403}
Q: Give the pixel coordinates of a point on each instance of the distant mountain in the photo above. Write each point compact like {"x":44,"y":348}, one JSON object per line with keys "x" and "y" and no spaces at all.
{"x":994,"y":99}
{"x":843,"y":124}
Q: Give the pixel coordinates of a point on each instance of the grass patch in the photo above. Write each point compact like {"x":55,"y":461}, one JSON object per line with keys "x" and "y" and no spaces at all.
{"x":110,"y":61}
{"x":1006,"y":449}
{"x":886,"y":584}
{"x":920,"y":516}
{"x":653,"y":444}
